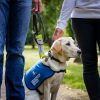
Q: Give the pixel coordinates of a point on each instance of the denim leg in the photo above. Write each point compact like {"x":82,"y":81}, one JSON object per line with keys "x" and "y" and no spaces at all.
{"x":4,"y":14}
{"x":86,"y":36}
{"x":20,"y":12}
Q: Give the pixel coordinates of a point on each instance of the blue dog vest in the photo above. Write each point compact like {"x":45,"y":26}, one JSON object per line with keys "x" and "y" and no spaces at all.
{"x":35,"y":76}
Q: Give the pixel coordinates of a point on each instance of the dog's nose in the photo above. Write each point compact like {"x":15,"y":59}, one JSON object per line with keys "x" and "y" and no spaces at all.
{"x":79,"y":52}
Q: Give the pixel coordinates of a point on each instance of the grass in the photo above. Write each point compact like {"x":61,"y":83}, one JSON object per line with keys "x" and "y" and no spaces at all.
{"x":31,"y":56}
{"x":73,"y":77}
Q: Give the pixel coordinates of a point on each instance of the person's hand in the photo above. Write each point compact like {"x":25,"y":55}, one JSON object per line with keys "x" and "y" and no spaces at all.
{"x":37,"y":6}
{"x":57,"y":34}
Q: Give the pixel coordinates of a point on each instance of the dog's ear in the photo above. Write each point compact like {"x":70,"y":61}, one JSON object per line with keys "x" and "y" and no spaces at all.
{"x":56,"y":47}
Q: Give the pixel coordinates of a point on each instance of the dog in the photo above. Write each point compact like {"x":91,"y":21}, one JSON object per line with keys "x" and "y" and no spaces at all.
{"x":61,"y":51}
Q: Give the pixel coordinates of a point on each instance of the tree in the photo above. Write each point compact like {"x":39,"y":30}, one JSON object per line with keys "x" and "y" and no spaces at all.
{"x":50,"y":15}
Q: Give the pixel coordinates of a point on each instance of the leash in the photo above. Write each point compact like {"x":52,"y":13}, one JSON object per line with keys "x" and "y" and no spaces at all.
{"x":39,"y":36}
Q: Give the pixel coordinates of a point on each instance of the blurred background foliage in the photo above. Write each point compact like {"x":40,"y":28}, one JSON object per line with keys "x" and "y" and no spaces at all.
{"x":50,"y":15}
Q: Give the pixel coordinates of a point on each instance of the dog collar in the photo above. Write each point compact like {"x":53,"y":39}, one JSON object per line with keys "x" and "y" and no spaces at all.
{"x":53,"y":58}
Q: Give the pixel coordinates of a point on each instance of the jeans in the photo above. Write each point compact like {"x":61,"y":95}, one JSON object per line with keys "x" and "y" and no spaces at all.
{"x":87,"y":32}
{"x":14,"y":22}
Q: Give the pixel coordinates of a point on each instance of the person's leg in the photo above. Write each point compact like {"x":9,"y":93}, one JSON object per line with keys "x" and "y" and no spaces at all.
{"x":20,"y":12}
{"x":86,"y":37}
{"x":4,"y":13}
{"x":97,"y":31}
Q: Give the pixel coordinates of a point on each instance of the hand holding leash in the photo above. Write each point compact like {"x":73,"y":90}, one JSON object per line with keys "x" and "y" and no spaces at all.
{"x":37,"y":6}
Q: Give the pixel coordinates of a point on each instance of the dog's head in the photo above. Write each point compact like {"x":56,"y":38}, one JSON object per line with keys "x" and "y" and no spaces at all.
{"x":65,"y":48}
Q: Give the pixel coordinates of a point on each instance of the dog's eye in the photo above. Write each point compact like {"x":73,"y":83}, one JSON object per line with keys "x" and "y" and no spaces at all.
{"x":68,"y":44}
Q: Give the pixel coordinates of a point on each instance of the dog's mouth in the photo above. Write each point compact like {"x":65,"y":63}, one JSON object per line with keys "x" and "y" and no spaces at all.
{"x":74,"y":56}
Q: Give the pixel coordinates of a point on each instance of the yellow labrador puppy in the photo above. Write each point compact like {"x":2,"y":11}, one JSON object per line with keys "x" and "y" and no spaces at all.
{"x":39,"y":87}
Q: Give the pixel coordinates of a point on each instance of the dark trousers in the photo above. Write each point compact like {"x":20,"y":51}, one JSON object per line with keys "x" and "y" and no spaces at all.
{"x":14,"y":22}
{"x":87,"y":32}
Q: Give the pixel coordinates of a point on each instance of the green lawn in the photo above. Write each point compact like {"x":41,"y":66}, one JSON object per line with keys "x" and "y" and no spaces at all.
{"x":73,"y":77}
{"x":31,"y":56}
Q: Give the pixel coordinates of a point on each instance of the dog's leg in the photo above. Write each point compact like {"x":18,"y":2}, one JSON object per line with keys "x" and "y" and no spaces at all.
{"x":47,"y":91}
{"x":54,"y":94}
